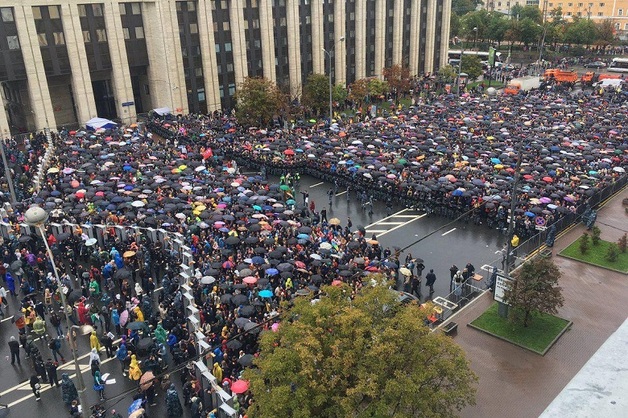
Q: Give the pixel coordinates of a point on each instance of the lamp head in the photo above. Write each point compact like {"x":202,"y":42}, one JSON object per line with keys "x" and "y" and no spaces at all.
{"x":35,"y":216}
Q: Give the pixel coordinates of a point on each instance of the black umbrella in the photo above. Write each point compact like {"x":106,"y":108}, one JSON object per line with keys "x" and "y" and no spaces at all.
{"x":232,"y":240}
{"x":252,"y":327}
{"x":247,"y":311}
{"x":239,"y":300}
{"x":246,"y":360}
{"x":234,"y":345}
{"x":122,"y":274}
{"x":137,"y":325}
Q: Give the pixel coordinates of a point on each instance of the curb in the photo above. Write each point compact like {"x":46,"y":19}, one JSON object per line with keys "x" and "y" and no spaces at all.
{"x":591,"y":264}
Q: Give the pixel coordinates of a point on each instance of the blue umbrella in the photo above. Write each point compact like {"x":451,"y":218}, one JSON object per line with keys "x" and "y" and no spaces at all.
{"x":272,"y":272}
{"x":137,"y":404}
{"x":257,"y":260}
{"x":530,"y":214}
{"x":457,"y":192}
{"x":303,"y":236}
{"x":266,"y":294}
{"x":495,"y":160}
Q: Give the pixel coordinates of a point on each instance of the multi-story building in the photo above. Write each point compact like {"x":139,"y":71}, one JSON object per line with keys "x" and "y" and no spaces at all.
{"x":616,"y":11}
{"x":64,"y":62}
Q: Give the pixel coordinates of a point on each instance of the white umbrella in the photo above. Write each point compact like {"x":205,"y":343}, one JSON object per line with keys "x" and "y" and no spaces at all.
{"x":180,"y":216}
{"x":405,"y":271}
{"x":200,"y":168}
{"x":325,"y":246}
{"x":138,"y":204}
{"x":208,"y":280}
{"x":91,"y":242}
{"x":619,"y":169}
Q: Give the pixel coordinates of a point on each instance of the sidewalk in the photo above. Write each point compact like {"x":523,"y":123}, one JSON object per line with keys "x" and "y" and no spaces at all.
{"x":520,"y":384}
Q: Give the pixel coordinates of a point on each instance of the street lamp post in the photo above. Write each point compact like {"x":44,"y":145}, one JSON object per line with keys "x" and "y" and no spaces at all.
{"x":37,"y":217}
{"x":328,"y":53}
{"x":475,"y":37}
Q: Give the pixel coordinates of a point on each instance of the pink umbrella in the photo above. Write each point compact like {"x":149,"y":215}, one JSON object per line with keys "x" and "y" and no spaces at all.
{"x":250,"y":280}
{"x":275,"y":327}
{"x":124,"y":317}
{"x":240,"y":386}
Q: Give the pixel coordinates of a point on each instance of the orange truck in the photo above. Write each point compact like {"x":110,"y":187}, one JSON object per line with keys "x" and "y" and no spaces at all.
{"x":560,"y":76}
{"x":517,"y":85}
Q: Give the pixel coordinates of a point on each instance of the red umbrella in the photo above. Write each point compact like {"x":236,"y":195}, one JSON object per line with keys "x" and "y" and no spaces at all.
{"x":299,"y":264}
{"x":240,"y":386}
{"x":336,"y":283}
{"x":289,"y":152}
{"x":250,"y":280}
{"x":548,"y":179}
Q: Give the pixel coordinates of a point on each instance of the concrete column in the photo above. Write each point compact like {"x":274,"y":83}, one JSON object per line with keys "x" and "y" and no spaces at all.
{"x":445,"y":32}
{"x":268,"y":39}
{"x":41,"y":103}
{"x":120,"y":72}
{"x":294,"y":47}
{"x":239,"y":41}
{"x":5,"y":130}
{"x":360,"y":39}
{"x":81,"y":78}
{"x":415,"y":20}
{"x":165,"y":72}
{"x":340,"y":46}
{"x":397,"y":57}
{"x":431,"y":33}
{"x":380,"y":36}
{"x":208,"y":51}
{"x":318,"y":43}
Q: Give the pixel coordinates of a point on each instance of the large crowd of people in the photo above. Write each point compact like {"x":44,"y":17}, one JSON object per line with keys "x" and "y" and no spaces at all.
{"x":256,"y":242}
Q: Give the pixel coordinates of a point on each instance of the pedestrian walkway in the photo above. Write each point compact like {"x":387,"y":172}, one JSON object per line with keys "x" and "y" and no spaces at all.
{"x":520,"y":384}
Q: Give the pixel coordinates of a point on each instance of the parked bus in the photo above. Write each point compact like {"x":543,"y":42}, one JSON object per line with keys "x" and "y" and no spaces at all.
{"x":453,"y":56}
{"x":618,"y":65}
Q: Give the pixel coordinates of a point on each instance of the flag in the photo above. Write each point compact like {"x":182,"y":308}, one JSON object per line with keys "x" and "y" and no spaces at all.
{"x":491,"y":57}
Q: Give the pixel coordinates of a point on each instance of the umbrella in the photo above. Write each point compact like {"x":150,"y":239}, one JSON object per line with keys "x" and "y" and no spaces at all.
{"x":252,"y":327}
{"x":266,"y":293}
{"x":247,"y":311}
{"x":239,"y":299}
{"x":250,"y":280}
{"x":334,"y":221}
{"x":240,"y":386}
{"x":240,"y":322}
{"x":405,"y":271}
{"x":91,"y":242}
{"x":246,"y":360}
{"x":147,"y":380}
{"x":137,"y":325}
{"x":135,"y":406}
{"x":234,"y":345}
{"x":207,"y":280}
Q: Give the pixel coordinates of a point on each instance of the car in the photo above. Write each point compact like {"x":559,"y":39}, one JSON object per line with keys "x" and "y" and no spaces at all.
{"x":405,"y":297}
{"x":595,"y":64}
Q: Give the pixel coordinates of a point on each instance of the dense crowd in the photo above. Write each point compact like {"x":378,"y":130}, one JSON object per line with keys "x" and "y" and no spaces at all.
{"x":254,"y":243}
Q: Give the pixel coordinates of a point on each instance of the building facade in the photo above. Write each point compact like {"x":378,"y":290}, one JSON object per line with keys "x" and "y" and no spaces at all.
{"x":65,"y":62}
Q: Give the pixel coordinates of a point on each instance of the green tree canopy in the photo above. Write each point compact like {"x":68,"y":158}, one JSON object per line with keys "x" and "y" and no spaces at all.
{"x":358,"y":90}
{"x":316,"y":93}
{"x":527,"y":12}
{"x":258,"y":100}
{"x":377,"y":87}
{"x":535,"y":289}
{"x":472,"y":65}
{"x":448,"y":73}
{"x":361,"y":356}
{"x":581,"y":31}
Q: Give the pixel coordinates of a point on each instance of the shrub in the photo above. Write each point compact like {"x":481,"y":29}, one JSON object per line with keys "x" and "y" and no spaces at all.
{"x":612,"y":254}
{"x":584,"y":243}
{"x":595,"y":235}
{"x":622,"y":243}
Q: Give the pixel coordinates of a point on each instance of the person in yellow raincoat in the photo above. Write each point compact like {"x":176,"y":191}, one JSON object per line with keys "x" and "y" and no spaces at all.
{"x":94,"y":342}
{"x":217,"y":372}
{"x":139,"y":315}
{"x":134,"y":369}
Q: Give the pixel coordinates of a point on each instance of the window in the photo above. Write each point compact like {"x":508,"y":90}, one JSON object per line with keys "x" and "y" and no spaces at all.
{"x":193,"y":27}
{"x":13,"y":42}
{"x":87,"y":36}
{"x":43,"y":41}
{"x":600,"y":14}
{"x":282,"y":21}
{"x":230,"y":67}
{"x":198,"y":72}
{"x":601,"y":4}
{"x":191,"y":6}
{"x":620,"y":12}
{"x":82,"y":10}
{"x":228,"y":47}
{"x":122,"y":8}
{"x":59,"y":38}
{"x":217,"y":48}
{"x":136,"y":8}
{"x":226,"y":26}
{"x":7,"y":14}
{"x":101,"y":35}
{"x":617,"y":26}
{"x":37,"y":13}
{"x":231,"y":89}
{"x":97,"y":9}
{"x":127,"y":33}
{"x":201,"y":95}
{"x":580,"y":4}
{"x":223,"y":4}
{"x":139,"y":32}
{"x":625,"y":26}
{"x":54,"y":12}
{"x":569,"y":4}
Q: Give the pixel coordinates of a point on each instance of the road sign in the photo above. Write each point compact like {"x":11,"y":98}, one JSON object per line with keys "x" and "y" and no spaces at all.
{"x":502,"y":283}
{"x":539,"y":220}
{"x":127,"y":104}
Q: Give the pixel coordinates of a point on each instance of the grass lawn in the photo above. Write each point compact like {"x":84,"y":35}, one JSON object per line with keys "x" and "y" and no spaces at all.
{"x":537,"y":337}
{"x":496,"y":84}
{"x":597,"y":255}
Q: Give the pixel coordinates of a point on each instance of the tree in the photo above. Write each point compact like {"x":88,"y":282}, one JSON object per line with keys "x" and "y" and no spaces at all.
{"x":462,"y":7}
{"x":398,"y":78}
{"x":377,"y":88}
{"x":362,"y":356}
{"x":535,"y":289}
{"x":258,"y":100}
{"x":448,"y":73}
{"x":471,"y":65}
{"x":358,"y":90}
{"x":497,"y":27}
{"x":595,"y":236}
{"x":527,"y":12}
{"x":339,"y":93}
{"x":581,"y":31}
{"x":612,"y":253}
{"x":605,"y":33}
{"x":316,"y":93}
{"x":530,"y":32}
{"x":622,"y":243}
{"x":584,"y":243}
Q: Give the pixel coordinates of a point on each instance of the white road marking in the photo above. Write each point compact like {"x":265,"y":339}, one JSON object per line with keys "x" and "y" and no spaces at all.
{"x":317,"y":184}
{"x":390,"y":223}
{"x":388,"y":217}
{"x":341,"y":193}
{"x":375,"y":231}
{"x":450,"y":231}
{"x":404,"y":224}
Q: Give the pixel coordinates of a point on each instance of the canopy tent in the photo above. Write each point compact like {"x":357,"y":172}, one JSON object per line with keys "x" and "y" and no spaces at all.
{"x":162,"y":111}
{"x":100,"y":123}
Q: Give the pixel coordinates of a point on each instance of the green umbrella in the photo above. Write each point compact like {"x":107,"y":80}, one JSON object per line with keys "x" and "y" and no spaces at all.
{"x":312,"y":120}
{"x":284,"y":187}
{"x":256,"y":207}
{"x":402,"y":161}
